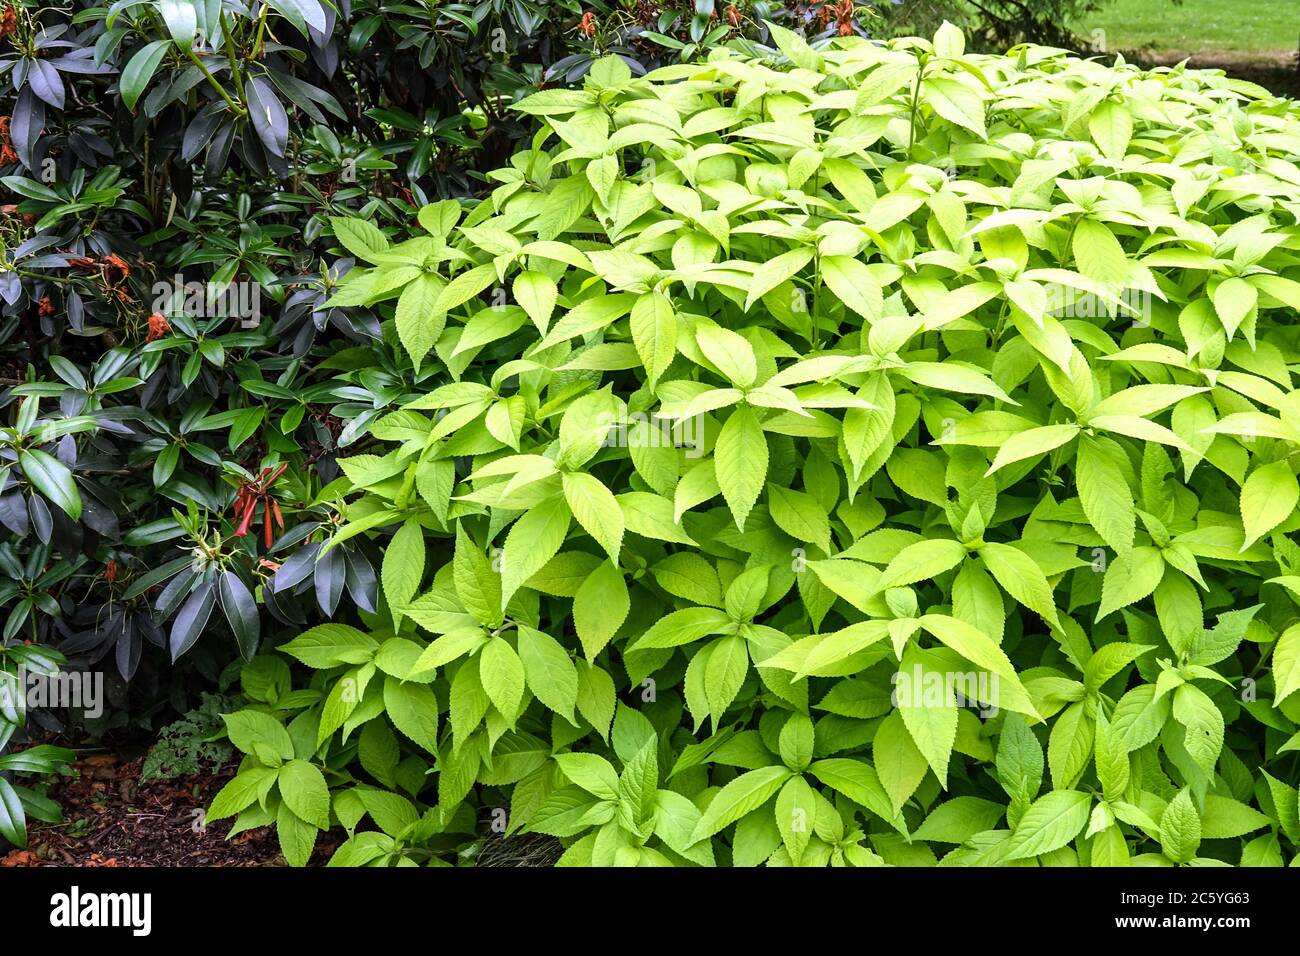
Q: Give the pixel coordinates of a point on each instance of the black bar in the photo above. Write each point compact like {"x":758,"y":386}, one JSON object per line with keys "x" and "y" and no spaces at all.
{"x":336,"y":906}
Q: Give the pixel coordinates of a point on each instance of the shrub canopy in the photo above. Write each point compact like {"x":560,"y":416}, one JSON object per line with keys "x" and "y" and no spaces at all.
{"x":874,"y":454}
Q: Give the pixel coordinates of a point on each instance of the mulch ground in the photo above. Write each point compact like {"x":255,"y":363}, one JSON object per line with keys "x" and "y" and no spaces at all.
{"x":111,"y":818}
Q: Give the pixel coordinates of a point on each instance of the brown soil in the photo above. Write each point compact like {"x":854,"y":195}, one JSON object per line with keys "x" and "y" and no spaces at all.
{"x":110,"y":818}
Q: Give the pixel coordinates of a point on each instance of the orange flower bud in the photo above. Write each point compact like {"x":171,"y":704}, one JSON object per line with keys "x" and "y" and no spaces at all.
{"x":158,"y":327}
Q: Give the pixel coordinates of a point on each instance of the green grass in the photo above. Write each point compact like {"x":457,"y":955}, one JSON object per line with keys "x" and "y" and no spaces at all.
{"x":1225,"y":29}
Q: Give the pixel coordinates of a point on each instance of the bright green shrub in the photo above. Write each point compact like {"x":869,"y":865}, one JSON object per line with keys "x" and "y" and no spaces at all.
{"x":973,"y":545}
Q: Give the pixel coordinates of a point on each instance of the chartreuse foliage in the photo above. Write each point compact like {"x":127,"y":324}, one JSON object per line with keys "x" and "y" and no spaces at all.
{"x":966,"y":540}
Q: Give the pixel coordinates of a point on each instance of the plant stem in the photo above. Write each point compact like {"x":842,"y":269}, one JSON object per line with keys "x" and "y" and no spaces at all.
{"x":228,"y":33}
{"x":239,"y":110}
{"x":916,"y":104}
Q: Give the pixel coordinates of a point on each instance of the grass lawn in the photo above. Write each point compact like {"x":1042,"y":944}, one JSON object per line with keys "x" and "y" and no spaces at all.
{"x":1221,"y":30}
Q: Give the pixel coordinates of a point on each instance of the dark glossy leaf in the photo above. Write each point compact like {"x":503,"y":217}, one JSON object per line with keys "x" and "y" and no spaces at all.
{"x":361,"y":580}
{"x":140,"y":69}
{"x":13,"y":821}
{"x":240,"y":608}
{"x":52,"y":479}
{"x":13,"y":513}
{"x":25,"y":126}
{"x":191,"y":619}
{"x":129,"y":648}
{"x":331,"y":572}
{"x":46,"y":83}
{"x":267,"y":115}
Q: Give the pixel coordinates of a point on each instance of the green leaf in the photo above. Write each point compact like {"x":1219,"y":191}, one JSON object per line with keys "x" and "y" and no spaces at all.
{"x":413,"y":709}
{"x":592,"y":773}
{"x":1028,"y":444}
{"x":1286,"y":664}
{"x":182,"y":21}
{"x":1112,"y":761}
{"x":478,"y":585}
{"x":1234,"y":299}
{"x":746,"y":793}
{"x":858,"y":781}
{"x":549,"y":672}
{"x":52,"y":479}
{"x":403,"y":566}
{"x":328,"y":645}
{"x":972,"y":644}
{"x":637,"y":789}
{"x":1019,"y":760}
{"x":683,"y":627}
{"x":1111,"y":127}
{"x":1021,"y":577}
{"x":600,"y":607}
{"x":419,"y":323}
{"x":956,"y":102}
{"x":729,"y":352}
{"x":360,"y":237}
{"x":654,"y":333}
{"x":297,"y":836}
{"x":1104,"y":492}
{"x":596,"y":697}
{"x":959,"y":819}
{"x":724,"y":672}
{"x":240,"y":610}
{"x":502,"y":674}
{"x":302,"y":13}
{"x":796,"y":810}
{"x":1098,"y":253}
{"x":1130,"y":578}
{"x":854,"y":285}
{"x":597,"y":511}
{"x":900,"y":765}
{"x":140,"y":69}
{"x":250,"y":728}
{"x":303,"y":789}
{"x":741,"y":460}
{"x":775,"y":271}
{"x":1225,"y":818}
{"x":1268,"y":498}
{"x":536,"y":292}
{"x":1050,"y":823}
{"x":1180,"y":828}
{"x":800,"y":515}
{"x":13,"y":819}
{"x":240,"y":792}
{"x":924,"y":696}
{"x":1203,"y":722}
{"x":533,"y":540}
